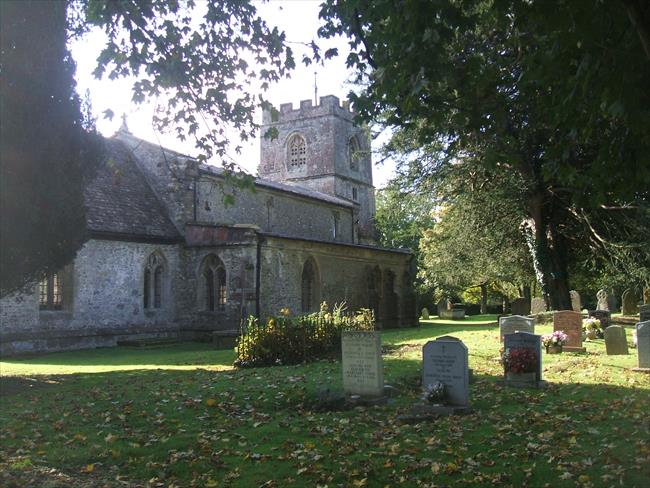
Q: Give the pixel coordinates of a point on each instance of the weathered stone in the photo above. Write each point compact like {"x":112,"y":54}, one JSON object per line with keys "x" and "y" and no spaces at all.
{"x":363,"y":372}
{"x":601,"y":296}
{"x":646,"y":296}
{"x":520,"y":306}
{"x":537,"y":305}
{"x":604,"y":316}
{"x":442,"y":305}
{"x":575,"y":301}
{"x":446,"y":361}
{"x":425,"y":314}
{"x":630,"y":303}
{"x":525,"y":340}
{"x":570,"y":323}
{"x":515,"y":323}
{"x":453,"y":314}
{"x":615,"y":340}
{"x":644,"y":313}
{"x":643,"y":343}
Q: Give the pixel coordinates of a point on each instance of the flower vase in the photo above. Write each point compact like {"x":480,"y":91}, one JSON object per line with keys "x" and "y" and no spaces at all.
{"x":554,"y":349}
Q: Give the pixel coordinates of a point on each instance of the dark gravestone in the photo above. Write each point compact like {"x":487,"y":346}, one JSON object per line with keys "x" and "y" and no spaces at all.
{"x":520,"y":306}
{"x":526,"y":340}
{"x":605,"y":317}
{"x":570,"y":323}
{"x":630,"y":303}
{"x":615,"y":340}
{"x":644,"y":313}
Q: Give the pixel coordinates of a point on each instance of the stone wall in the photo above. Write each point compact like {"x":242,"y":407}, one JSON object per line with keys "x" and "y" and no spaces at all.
{"x":343,"y":273}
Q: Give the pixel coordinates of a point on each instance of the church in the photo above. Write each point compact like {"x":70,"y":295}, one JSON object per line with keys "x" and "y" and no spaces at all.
{"x":167,"y":259}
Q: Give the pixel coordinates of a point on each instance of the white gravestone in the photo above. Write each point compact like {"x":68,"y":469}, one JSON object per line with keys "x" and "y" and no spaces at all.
{"x":514,"y":323}
{"x":446,"y":361}
{"x":643,"y":343}
{"x":363,"y":372}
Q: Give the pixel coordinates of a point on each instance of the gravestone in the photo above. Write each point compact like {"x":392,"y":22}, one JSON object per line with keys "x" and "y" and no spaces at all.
{"x":575,"y":301}
{"x":520,"y":306}
{"x":605,"y":317}
{"x":537,"y":305}
{"x":513,"y":323}
{"x":603,"y":304}
{"x":363,"y":372}
{"x":425,"y":313}
{"x":443,"y":305}
{"x":646,"y":296}
{"x":570,"y":323}
{"x":643,"y":344}
{"x":615,"y":340}
{"x":526,"y":340}
{"x":445,"y":360}
{"x":644,"y":313}
{"x":612,"y":302}
{"x":630,"y":306}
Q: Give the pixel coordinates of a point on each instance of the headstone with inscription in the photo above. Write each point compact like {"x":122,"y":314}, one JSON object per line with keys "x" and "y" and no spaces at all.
{"x":630,"y":303}
{"x":363,"y":372}
{"x":570,"y":323}
{"x":575,"y":301}
{"x":605,"y":317}
{"x":644,"y":313}
{"x":515,"y":323}
{"x":445,"y":360}
{"x":537,"y":305}
{"x":520,"y":306}
{"x":615,"y":340}
{"x":526,"y":340}
{"x":643,"y":344}
{"x":603,"y":304}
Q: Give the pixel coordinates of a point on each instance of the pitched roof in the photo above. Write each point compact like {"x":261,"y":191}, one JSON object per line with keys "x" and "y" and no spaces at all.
{"x":120,"y":201}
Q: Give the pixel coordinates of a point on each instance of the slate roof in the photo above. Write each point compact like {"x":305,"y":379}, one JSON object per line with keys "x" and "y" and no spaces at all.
{"x":119,"y":200}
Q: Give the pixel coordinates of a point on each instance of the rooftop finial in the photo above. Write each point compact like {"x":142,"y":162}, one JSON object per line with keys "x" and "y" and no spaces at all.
{"x":124,"y":127}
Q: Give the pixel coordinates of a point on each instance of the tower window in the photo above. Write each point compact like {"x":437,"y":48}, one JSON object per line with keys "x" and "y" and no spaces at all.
{"x":354,"y":153}
{"x":335,"y":225}
{"x":355,"y":195}
{"x":297,"y":149}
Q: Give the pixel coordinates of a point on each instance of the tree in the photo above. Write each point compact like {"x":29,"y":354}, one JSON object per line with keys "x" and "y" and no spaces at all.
{"x":554,"y":92}
{"x":45,"y":151}
{"x":194,"y":59}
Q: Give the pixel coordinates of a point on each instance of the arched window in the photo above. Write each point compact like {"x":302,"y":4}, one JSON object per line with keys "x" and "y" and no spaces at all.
{"x":354,"y":153}
{"x":154,"y":273}
{"x":297,"y":152}
{"x":373,"y":278}
{"x":309,"y":287}
{"x":51,"y":292}
{"x":213,"y":284}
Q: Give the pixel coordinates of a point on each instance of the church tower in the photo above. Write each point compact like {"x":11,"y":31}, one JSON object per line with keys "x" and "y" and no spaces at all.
{"x":320,"y":148}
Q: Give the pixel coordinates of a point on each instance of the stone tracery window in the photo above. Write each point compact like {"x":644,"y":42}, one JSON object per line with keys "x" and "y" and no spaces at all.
{"x":354,"y":153}
{"x":297,"y":152}
{"x":213,"y":278}
{"x":153,"y":281}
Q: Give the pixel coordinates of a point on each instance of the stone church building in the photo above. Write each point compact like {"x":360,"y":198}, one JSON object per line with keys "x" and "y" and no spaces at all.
{"x":167,"y":259}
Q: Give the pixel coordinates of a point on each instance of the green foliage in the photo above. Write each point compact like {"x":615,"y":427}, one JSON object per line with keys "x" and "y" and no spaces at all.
{"x":47,"y":148}
{"x":294,"y":340}
{"x":554,"y":93}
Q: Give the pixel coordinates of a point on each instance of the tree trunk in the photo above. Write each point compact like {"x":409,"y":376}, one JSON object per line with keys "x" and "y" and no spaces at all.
{"x":484,"y":298}
{"x":548,"y":252}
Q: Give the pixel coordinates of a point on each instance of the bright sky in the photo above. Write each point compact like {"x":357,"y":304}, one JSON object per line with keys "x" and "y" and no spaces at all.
{"x":298,"y":18}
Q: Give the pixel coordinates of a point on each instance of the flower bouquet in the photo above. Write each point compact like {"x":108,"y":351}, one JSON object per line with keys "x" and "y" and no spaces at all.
{"x":554,"y":342}
{"x":592,"y":329}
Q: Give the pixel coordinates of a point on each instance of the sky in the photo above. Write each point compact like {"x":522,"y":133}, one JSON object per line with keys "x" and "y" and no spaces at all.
{"x":298,"y":18}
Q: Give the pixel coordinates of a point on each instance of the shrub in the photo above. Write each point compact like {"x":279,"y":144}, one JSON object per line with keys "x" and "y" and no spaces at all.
{"x":292,"y":340}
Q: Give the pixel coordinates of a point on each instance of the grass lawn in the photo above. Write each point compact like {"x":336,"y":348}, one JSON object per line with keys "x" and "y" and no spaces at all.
{"x":181,"y":416}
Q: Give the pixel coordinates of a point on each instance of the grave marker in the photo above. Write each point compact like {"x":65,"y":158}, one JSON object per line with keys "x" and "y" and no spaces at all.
{"x":363,"y":372}
{"x":644,"y":313}
{"x":520,"y":306}
{"x":425,"y":313}
{"x":575,"y":301}
{"x":643,"y":344}
{"x":537,"y":305}
{"x":605,"y":317}
{"x":525,"y":340}
{"x":630,"y":306}
{"x":570,"y":323}
{"x":513,"y":323}
{"x":445,"y":360}
{"x":615,"y":340}
{"x":603,"y":304}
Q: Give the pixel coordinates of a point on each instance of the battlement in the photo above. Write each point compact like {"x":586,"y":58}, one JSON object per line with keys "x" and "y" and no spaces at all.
{"x":328,"y":105}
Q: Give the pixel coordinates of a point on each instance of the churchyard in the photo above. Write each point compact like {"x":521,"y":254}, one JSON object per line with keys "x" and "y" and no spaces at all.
{"x":181,"y":415}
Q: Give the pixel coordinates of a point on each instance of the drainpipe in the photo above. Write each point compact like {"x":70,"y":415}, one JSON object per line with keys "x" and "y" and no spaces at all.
{"x":258,"y":275}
